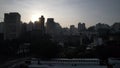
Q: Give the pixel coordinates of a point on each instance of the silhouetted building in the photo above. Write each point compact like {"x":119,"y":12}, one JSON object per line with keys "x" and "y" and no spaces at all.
{"x":116,"y":26}
{"x":81,"y":27}
{"x":12,"y":25}
{"x":102,"y":26}
{"x":50,"y":26}
{"x":36,"y":25}
{"x":58,"y":29}
{"x":1,"y":27}
{"x":30,"y":26}
{"x":1,"y":30}
{"x":73,"y":30}
{"x":39,"y":25}
{"x":24,"y":28}
{"x":102,"y":30}
{"x":66,"y":31}
{"x":42,"y":21}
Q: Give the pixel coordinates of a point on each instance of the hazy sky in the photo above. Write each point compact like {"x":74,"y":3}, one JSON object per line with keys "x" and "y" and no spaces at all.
{"x":66,"y":12}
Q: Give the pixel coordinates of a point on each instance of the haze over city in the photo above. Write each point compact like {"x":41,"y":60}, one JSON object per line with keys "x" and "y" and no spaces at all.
{"x":66,"y":12}
{"x":60,"y":34}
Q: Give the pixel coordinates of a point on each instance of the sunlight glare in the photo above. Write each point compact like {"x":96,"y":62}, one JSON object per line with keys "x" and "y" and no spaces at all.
{"x":34,"y":17}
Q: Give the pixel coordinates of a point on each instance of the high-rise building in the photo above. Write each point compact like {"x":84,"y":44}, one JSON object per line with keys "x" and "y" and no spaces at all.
{"x":12,"y":25}
{"x":50,"y":26}
{"x":41,"y":21}
{"x":39,"y":25}
{"x":81,"y":27}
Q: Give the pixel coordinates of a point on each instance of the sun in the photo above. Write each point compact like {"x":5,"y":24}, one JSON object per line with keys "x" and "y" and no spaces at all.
{"x":34,"y":17}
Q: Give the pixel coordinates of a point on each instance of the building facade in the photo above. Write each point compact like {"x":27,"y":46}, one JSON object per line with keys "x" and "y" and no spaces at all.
{"x":12,"y":25}
{"x":50,"y":26}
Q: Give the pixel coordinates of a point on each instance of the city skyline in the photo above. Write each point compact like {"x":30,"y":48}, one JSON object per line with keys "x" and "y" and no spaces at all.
{"x":65,"y":12}
{"x":53,"y":33}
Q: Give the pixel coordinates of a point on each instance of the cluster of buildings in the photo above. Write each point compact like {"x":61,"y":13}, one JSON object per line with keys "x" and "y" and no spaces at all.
{"x":13,"y":27}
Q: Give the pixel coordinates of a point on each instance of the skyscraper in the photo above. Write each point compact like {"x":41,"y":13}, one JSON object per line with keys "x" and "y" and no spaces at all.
{"x":41,"y":21}
{"x":39,"y":25}
{"x":12,"y":25}
{"x":50,"y":26}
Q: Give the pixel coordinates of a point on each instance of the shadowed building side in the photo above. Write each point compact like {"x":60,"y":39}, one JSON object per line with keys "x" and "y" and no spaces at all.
{"x":12,"y":25}
{"x":50,"y":26}
{"x":39,"y":25}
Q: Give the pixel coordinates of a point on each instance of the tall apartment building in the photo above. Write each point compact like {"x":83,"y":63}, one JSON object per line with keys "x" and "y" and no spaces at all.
{"x":12,"y":25}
